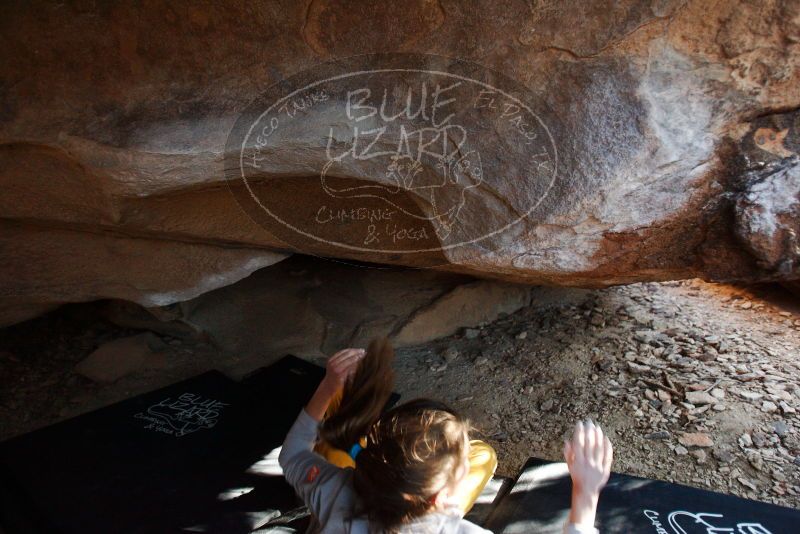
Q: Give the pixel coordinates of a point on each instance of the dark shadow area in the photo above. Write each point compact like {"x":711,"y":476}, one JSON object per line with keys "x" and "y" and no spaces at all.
{"x":785,"y":296}
{"x":192,"y":457}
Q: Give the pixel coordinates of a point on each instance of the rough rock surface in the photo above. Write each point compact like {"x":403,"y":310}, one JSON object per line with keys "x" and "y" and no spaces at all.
{"x":115,"y":117}
{"x":121,"y":357}
{"x":313,"y":307}
{"x":768,"y":215}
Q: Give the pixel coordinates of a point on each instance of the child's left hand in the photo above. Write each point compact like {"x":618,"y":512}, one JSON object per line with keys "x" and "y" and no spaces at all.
{"x":341,"y":366}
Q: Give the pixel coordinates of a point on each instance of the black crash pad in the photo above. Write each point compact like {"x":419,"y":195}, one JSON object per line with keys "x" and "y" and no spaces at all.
{"x":178,"y":459}
{"x":540,"y":498}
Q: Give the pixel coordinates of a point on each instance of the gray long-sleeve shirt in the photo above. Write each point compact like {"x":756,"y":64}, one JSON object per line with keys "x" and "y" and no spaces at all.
{"x":328,"y":491}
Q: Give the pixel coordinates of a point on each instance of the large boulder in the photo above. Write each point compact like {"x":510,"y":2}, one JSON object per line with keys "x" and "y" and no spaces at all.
{"x":587,"y":143}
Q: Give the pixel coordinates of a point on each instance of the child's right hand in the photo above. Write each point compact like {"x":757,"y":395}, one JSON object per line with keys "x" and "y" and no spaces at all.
{"x":589,"y":455}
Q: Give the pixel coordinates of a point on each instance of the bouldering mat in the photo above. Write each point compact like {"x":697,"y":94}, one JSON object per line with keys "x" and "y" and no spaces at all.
{"x":197,"y":456}
{"x":540,"y":498}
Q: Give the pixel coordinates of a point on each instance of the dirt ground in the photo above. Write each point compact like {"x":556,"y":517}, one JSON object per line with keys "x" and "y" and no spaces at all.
{"x":695,"y":383}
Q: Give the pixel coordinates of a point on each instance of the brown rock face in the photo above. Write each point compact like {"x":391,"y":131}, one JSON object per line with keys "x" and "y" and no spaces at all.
{"x":314,"y":307}
{"x":153,"y":152}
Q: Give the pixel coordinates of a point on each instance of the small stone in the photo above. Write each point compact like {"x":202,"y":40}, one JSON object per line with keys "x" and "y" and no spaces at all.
{"x":681,"y":451}
{"x":755,"y":459}
{"x":769,"y":407}
{"x":749,"y":395}
{"x":661,"y":434}
{"x":724,"y":456}
{"x":696,"y":439}
{"x":759,"y":439}
{"x":706,"y":356}
{"x":745,"y":441}
{"x":637,"y":369}
{"x":785,"y":408}
{"x":522,"y":335}
{"x":450,"y":354}
{"x":439,"y":368}
{"x":718,"y":393}
{"x":499,"y":436}
{"x":481,"y":360}
{"x":471,"y":333}
{"x":780,"y":428}
{"x":746,"y":482}
{"x":779,"y":476}
{"x":700,"y":455}
{"x":547,"y":405}
{"x":700,"y":397}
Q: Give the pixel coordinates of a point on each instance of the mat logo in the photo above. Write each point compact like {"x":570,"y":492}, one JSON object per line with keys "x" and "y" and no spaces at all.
{"x":183,"y":415}
{"x":680,"y":522}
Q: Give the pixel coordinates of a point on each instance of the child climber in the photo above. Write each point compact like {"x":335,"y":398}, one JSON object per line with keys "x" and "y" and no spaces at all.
{"x":413,"y":468}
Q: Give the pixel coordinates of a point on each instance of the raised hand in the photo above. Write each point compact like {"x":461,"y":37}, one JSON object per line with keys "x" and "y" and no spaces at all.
{"x":342,"y":365}
{"x":589,"y":456}
{"x":338,"y":369}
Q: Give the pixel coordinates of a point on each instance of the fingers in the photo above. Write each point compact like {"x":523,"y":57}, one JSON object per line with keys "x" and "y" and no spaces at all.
{"x":599,"y":444}
{"x":589,"y":455}
{"x":590,"y":443}
{"x":589,"y":438}
{"x":344,"y":363}
{"x":569,"y":456}
{"x":346,"y":357}
{"x":608,"y":455}
{"x":578,"y":442}
{"x":347,"y":354}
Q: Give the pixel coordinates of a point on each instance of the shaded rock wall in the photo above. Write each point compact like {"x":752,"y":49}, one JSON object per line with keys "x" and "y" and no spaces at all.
{"x":114,"y":121}
{"x":312,"y":307}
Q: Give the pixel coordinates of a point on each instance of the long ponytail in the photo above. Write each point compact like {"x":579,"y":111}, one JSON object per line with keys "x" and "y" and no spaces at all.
{"x":364,"y":397}
{"x":412,"y":451}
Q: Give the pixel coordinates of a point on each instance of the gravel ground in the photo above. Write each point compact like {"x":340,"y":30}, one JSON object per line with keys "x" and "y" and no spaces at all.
{"x":695,"y":383}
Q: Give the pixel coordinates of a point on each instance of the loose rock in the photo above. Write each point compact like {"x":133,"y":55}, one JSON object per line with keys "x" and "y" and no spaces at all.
{"x":696,"y":439}
{"x":121,"y":357}
{"x":700,"y":398}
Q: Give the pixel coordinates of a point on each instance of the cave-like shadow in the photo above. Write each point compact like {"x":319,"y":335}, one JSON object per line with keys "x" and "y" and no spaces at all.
{"x":161,"y":462}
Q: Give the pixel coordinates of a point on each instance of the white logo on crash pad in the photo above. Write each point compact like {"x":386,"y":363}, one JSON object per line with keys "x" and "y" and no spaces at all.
{"x":182,"y":415}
